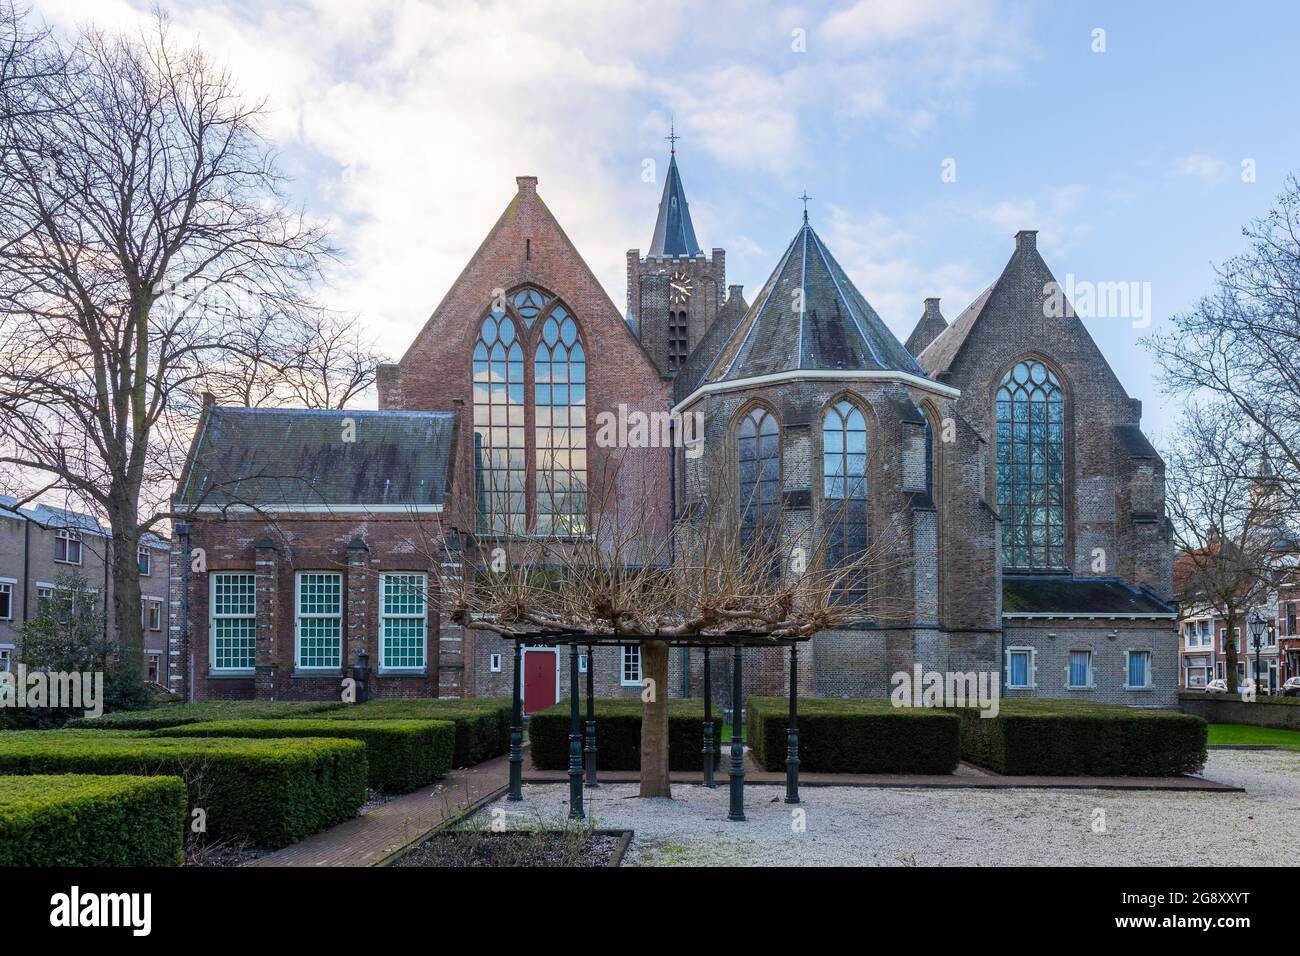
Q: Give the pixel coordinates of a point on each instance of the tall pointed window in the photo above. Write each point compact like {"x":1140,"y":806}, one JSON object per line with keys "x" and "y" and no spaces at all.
{"x":1031,"y":466}
{"x":758,"y":456}
{"x":500,"y":470}
{"x":844,"y":482}
{"x":560,"y":389}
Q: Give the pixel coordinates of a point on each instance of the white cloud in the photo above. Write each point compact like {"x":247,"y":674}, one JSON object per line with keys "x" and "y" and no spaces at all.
{"x":1208,"y":169}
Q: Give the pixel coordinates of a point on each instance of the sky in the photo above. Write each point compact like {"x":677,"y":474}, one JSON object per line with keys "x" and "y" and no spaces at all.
{"x":1137,"y":139}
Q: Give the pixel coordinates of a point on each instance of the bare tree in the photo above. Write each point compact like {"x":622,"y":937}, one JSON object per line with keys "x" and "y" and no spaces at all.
{"x":1226,"y":508}
{"x":1242,"y":343}
{"x":142,"y":228}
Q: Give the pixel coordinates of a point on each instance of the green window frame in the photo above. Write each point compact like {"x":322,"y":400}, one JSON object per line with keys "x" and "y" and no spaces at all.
{"x":319,"y":620}
{"x":234,"y":621}
{"x":403,"y":620}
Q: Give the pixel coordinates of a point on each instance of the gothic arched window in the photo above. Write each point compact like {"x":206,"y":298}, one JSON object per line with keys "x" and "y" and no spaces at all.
{"x":500,"y":468}
{"x":1031,"y":466}
{"x":758,"y":458}
{"x":560,"y":389}
{"x":844,"y":481}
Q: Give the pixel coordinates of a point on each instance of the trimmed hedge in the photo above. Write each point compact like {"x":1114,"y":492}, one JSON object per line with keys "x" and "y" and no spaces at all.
{"x":402,"y":755}
{"x":175,"y":715}
{"x":618,"y":735}
{"x":482,"y":723}
{"x":855,"y":736}
{"x":268,"y":792}
{"x":76,"y":820}
{"x":1083,"y":738}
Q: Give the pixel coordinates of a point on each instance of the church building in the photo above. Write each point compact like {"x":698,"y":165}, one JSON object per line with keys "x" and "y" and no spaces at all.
{"x":999,"y":454}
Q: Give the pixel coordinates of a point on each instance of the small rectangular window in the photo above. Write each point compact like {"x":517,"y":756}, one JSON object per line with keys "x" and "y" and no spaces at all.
{"x":144,"y":560}
{"x":494,"y":663}
{"x":1020,"y":668}
{"x":403,"y":619}
{"x":1080,"y":669}
{"x":1139,"y":669}
{"x":631,"y":665}
{"x":155,"y":615}
{"x":5,"y":659}
{"x":6,"y":602}
{"x":582,"y":663}
{"x":320,"y":619}
{"x":152,"y":662}
{"x":234,"y":621}
{"x":67,"y":546}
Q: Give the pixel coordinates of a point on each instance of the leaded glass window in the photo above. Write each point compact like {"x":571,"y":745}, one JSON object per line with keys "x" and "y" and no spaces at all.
{"x":1031,"y":466}
{"x":403,"y":620}
{"x":234,"y":621}
{"x":560,"y":393}
{"x":529,"y":303}
{"x":758,"y":457}
{"x":500,"y":470}
{"x":844,"y":483}
{"x":320,"y":619}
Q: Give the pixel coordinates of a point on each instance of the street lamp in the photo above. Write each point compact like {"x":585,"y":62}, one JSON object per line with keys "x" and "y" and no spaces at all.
{"x":1257,"y":625}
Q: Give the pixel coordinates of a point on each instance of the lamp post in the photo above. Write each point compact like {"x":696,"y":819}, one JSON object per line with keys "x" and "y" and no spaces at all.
{"x":1257,"y":625}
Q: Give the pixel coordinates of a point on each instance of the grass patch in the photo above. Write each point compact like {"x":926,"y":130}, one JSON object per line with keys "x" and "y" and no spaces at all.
{"x":1246,"y":735}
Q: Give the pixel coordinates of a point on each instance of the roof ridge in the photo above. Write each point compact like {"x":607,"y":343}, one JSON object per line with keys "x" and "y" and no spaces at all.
{"x":852,"y":311}
{"x":758,"y":306}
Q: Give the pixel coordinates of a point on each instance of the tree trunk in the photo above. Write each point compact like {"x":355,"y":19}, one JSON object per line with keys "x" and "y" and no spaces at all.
{"x":125,"y":578}
{"x":654,"y":721}
{"x":1230,"y":649}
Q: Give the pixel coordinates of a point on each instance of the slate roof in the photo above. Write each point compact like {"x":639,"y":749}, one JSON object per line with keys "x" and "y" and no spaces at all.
{"x":838,"y":328}
{"x":1135,"y":443}
{"x":280,"y":457}
{"x":938,"y":356}
{"x":674,"y":233}
{"x":49,"y":516}
{"x":1066,"y":595}
{"x":928,"y":328}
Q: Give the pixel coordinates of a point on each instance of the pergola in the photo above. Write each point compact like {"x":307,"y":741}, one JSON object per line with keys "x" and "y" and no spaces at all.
{"x":575,"y":639}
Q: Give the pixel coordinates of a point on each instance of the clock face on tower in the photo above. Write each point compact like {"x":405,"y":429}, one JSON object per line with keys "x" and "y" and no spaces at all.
{"x":679,"y":287}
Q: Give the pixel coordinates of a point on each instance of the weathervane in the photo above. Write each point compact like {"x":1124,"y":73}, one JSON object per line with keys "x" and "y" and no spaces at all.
{"x":672,"y":137}
{"x":805,"y":197}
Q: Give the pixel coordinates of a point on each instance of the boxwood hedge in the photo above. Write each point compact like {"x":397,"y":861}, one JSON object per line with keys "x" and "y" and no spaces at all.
{"x":1083,"y":738}
{"x":78,"y":820}
{"x":618,"y":735}
{"x":482,"y":723}
{"x":174,"y":715}
{"x":268,"y":792}
{"x":402,"y":755}
{"x":855,"y":736}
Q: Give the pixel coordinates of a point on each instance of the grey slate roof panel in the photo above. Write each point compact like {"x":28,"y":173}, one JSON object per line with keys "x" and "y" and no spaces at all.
{"x":674,"y":232}
{"x":280,"y":457}
{"x":1135,"y":443}
{"x":1065,"y":594}
{"x":928,"y":327}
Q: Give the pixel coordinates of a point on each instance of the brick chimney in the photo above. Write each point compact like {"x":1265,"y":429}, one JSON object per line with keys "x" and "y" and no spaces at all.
{"x":527,"y":185}
{"x":931,"y":306}
{"x":1026,"y":240}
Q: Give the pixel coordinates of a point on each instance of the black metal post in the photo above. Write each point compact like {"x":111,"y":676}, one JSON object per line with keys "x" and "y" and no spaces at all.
{"x":737,"y":810}
{"x":591,"y":723}
{"x":575,"y":739}
{"x":517,"y":730}
{"x":792,"y":733}
{"x":708,"y":722}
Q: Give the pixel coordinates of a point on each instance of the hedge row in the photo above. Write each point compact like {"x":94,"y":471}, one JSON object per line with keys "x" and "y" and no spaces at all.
{"x":482,"y":723}
{"x":854,"y":736}
{"x":402,"y":755}
{"x":175,"y":715}
{"x":268,"y":792}
{"x":1082,"y":738}
{"x":618,"y":735}
{"x":75,"y":820}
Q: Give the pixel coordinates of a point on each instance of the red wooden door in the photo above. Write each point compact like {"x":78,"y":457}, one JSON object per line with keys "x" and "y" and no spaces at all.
{"x":539,"y":680}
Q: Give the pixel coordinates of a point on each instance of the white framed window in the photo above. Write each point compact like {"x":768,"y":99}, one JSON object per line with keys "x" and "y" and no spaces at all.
{"x":153,"y":619}
{"x":234,"y":620}
{"x":319,"y":620}
{"x":1020,"y":668}
{"x":494,"y":663}
{"x":403,"y":621}
{"x":153,"y":663}
{"x":144,"y":560}
{"x":7,"y":599}
{"x":630,"y":665}
{"x":44,"y":600}
{"x":67,"y":547}
{"x":582,"y":663}
{"x":1137,"y":670}
{"x":6,"y":658}
{"x":1078,"y":674}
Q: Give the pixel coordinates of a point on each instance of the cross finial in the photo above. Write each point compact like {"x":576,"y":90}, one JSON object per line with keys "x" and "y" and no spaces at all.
{"x":672,"y":137}
{"x":805,"y":197}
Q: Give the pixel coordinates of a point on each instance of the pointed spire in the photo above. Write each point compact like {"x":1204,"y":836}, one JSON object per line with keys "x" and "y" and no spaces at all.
{"x":674,"y":232}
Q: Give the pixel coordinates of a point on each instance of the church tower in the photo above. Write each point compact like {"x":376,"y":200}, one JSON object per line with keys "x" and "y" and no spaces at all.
{"x":675,"y":290}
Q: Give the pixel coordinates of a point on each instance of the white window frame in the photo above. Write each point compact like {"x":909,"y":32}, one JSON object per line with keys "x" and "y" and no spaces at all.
{"x":582,"y":663}
{"x":299,"y":617}
{"x":151,"y":607}
{"x":7,"y":587}
{"x":213,"y":616}
{"x":1031,"y":669}
{"x":69,"y":537}
{"x":143,"y":552}
{"x":1150,"y":684}
{"x":158,"y":658}
{"x":423,"y":616}
{"x":629,"y":654}
{"x":494,"y":663}
{"x":1091,"y":683}
{"x":6,"y":659}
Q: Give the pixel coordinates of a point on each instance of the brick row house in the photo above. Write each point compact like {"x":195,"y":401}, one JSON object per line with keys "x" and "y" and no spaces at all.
{"x":1001,"y":450}
{"x":1204,"y":638}
{"x":42,"y":548}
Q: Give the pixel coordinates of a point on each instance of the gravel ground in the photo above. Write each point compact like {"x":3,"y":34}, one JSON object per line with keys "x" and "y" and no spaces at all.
{"x":864,"y":826}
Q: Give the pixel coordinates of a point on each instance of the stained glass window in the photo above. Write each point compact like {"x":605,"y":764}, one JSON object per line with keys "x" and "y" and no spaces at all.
{"x":560,"y":394}
{"x":499,"y":464}
{"x":529,"y":303}
{"x":1031,"y":466}
{"x":844,"y":483}
{"x":759,"y":461}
